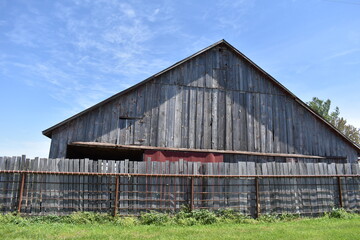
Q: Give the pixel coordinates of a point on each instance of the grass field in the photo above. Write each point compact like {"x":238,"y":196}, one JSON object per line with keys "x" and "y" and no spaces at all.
{"x":322,"y":228}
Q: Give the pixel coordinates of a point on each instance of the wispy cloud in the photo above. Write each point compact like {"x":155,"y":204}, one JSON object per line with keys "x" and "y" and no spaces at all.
{"x":233,"y":20}
{"x":343,"y":53}
{"x":89,"y":50}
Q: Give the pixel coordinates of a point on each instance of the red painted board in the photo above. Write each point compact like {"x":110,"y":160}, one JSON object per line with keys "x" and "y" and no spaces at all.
{"x":172,"y":156}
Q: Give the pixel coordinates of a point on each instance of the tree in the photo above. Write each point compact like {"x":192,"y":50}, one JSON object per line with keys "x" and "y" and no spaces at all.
{"x":323,"y":109}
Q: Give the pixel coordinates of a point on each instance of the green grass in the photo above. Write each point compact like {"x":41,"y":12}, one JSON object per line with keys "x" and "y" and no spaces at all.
{"x":321,"y":228}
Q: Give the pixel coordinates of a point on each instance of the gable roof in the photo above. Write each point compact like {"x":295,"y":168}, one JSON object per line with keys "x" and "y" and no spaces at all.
{"x":48,"y":132}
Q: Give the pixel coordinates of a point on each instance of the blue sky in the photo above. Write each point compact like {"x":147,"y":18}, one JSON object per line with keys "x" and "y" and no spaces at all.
{"x":60,"y":57}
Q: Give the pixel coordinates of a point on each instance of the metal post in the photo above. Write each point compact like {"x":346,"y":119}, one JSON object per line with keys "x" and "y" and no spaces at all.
{"x":21,"y":191}
{"x":257,"y":197}
{"x":175,"y":196}
{"x":192,"y":194}
{"x":340,"y":192}
{"x":116,"y":195}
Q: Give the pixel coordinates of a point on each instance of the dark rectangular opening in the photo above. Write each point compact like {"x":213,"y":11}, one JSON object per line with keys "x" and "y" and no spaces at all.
{"x":96,"y":153}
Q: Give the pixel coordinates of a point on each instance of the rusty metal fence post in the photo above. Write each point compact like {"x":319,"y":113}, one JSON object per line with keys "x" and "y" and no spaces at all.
{"x":192,"y":194}
{"x":21,"y":191}
{"x":257,"y":195}
{"x":340,"y":192}
{"x":116,"y":200}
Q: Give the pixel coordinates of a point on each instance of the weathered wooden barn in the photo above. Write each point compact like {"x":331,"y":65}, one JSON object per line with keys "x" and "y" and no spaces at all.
{"x":216,"y":105}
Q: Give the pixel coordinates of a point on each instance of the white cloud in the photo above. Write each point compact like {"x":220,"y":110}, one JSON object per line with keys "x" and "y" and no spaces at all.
{"x":152,"y":17}
{"x":128,"y":10}
{"x":97,"y":49}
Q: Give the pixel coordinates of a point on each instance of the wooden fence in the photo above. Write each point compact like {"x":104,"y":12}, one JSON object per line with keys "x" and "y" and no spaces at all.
{"x":61,"y":186}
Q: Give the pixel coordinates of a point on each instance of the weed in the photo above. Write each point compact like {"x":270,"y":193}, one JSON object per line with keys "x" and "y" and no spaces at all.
{"x":231,"y":216}
{"x":340,"y":213}
{"x":87,"y":217}
{"x":189,"y":218}
{"x":46,"y":219}
{"x":288,"y":216}
{"x":185,"y":218}
{"x":13,"y":218}
{"x":154,"y":218}
{"x":269,"y":218}
{"x":204,"y":216}
{"x":126,"y":221}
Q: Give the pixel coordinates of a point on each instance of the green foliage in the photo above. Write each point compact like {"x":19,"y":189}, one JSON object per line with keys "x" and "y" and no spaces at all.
{"x":269,"y":218}
{"x":283,"y":217}
{"x":340,"y":213}
{"x":13,"y":218}
{"x":323,"y":109}
{"x":75,"y":218}
{"x":154,"y":218}
{"x":231,"y":216}
{"x":46,"y":219}
{"x":87,"y":218}
{"x":204,"y":216}
{"x":288,"y":217}
{"x":196,"y":217}
{"x":183,"y":218}
{"x":226,"y":213}
{"x":126,"y":221}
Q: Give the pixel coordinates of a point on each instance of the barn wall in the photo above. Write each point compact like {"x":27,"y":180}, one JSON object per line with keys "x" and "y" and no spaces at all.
{"x":214,"y":101}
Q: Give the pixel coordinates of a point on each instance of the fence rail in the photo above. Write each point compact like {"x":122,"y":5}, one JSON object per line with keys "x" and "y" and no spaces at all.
{"x":124,"y":187}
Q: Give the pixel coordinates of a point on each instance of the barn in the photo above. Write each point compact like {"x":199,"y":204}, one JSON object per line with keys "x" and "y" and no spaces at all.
{"x":214,"y":106}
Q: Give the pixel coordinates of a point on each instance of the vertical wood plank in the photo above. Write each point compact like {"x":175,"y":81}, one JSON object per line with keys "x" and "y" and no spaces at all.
{"x":185,"y":117}
{"x":221,"y":116}
{"x":199,"y":119}
{"x":155,"y":116}
{"x":192,"y":118}
{"x":228,"y":120}
{"x":170,"y":116}
{"x":178,"y":116}
{"x":207,"y":121}
{"x":250,"y":122}
{"x":214,"y":119}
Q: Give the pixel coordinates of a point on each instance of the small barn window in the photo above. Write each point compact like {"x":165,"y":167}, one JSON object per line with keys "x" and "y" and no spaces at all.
{"x":126,"y":123}
{"x":126,"y":130}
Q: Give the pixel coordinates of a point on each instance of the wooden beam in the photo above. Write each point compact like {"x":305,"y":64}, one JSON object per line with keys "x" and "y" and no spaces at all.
{"x":140,"y":147}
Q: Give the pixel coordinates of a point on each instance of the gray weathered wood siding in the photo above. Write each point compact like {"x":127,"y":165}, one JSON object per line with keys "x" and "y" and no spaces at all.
{"x":216,"y":100}
{"x":64,"y":194}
